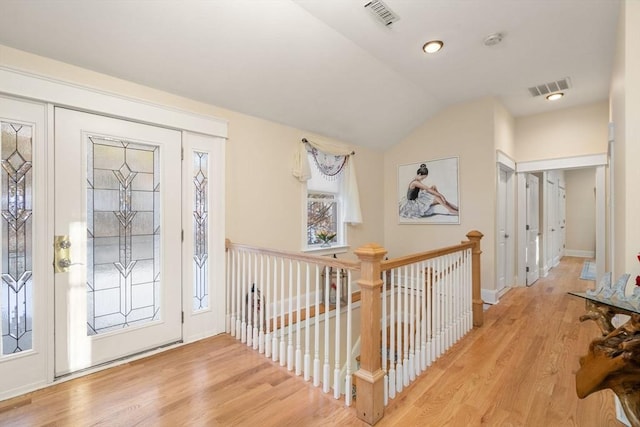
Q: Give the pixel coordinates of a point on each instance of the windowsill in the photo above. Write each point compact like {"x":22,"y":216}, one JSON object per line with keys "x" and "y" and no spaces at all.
{"x":337,"y":249}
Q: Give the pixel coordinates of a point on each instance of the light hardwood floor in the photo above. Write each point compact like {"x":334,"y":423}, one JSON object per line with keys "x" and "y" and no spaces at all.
{"x":517,"y":370}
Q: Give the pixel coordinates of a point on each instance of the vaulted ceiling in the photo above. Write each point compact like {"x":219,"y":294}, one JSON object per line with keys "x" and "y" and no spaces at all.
{"x":330,"y":66}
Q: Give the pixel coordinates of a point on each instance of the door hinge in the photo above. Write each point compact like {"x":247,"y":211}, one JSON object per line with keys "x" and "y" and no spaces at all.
{"x":182,"y":235}
{"x":527,"y":272}
{"x":182,"y":317}
{"x":181,"y":153}
{"x":527,"y":227}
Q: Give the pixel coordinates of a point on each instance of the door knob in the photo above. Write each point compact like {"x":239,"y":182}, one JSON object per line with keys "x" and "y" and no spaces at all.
{"x":506,"y":236}
{"x":61,"y":254}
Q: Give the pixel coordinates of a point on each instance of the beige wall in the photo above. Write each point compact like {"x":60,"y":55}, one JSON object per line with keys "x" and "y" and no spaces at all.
{"x":625,"y":110}
{"x":504,"y":125}
{"x":562,"y":133}
{"x":264,"y":202}
{"x":465,"y":131}
{"x":580,"y":211}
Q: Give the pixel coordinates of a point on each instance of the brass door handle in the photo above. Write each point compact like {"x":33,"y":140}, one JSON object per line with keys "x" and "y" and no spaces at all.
{"x":61,"y":255}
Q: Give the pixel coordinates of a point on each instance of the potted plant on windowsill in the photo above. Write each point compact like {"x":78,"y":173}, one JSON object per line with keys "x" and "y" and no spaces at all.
{"x":326,"y":237}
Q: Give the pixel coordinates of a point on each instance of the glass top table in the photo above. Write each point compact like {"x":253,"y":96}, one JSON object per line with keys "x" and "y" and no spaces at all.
{"x":630,"y":305}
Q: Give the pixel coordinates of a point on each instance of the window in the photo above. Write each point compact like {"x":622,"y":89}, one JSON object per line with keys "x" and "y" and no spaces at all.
{"x":324,"y":209}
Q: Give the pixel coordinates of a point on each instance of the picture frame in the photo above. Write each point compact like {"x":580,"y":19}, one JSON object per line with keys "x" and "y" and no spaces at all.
{"x":433,"y":198}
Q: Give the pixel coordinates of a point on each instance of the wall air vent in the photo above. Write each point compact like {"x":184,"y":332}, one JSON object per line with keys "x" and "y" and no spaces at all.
{"x":382,"y":12}
{"x":547,"y":88}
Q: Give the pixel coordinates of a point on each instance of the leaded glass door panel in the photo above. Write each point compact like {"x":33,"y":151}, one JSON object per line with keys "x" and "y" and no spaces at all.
{"x":23,"y":247}
{"x":117,"y":215}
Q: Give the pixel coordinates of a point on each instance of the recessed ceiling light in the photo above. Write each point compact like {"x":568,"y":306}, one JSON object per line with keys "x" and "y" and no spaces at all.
{"x":432,"y":46}
{"x":555,"y":96}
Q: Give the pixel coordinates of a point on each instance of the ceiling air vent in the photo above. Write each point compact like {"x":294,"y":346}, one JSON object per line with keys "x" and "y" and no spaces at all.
{"x":546,"y":88}
{"x":382,"y":12}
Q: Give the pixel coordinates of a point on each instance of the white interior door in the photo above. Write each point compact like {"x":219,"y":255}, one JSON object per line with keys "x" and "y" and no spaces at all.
{"x":533,"y":229}
{"x":117,"y":204}
{"x":550,"y":205}
{"x":24,"y":250}
{"x":502,"y":230}
{"x":562,"y":221}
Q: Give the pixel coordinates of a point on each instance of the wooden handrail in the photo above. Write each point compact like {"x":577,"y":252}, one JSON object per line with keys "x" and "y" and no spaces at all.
{"x":296,"y":256}
{"x":410,"y":259}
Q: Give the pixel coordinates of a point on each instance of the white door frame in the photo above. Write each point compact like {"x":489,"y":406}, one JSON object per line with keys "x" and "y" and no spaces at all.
{"x":599,"y":162}
{"x":53,"y":92}
{"x":508,"y":165}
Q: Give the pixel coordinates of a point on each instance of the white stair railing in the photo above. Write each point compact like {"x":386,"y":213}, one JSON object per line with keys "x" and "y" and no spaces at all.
{"x":288,"y":307}
{"x":426,"y":308}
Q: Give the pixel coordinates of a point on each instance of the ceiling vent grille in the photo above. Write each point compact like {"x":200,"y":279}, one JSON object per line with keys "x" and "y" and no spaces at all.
{"x":382,"y":12}
{"x":547,"y":88}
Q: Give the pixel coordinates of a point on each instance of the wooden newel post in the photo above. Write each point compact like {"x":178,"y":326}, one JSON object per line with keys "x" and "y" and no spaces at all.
{"x":478,"y":313}
{"x":369,"y":379}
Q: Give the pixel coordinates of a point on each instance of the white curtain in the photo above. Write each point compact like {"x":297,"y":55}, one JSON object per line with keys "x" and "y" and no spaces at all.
{"x":302,"y":171}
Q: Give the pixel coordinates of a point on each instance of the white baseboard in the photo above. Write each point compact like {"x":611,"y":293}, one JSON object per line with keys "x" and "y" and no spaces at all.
{"x":580,"y":253}
{"x":490,"y":296}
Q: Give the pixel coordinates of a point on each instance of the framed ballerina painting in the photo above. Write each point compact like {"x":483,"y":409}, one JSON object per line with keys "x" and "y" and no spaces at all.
{"x":428,"y":192}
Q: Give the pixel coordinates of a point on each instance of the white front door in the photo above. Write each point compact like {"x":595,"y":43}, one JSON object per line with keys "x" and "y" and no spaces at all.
{"x":24,"y":249}
{"x":533,"y":229}
{"x":117,"y":221}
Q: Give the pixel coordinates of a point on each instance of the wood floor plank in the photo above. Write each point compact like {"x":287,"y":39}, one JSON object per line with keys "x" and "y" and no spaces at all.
{"x":517,"y":370}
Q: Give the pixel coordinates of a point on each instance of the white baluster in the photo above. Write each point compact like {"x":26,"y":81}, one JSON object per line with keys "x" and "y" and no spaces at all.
{"x":412,"y":320}
{"x":268,"y":308}
{"x":228,"y":285}
{"x":405,"y":328}
{"x":325,"y":376}
{"x":384,"y":324}
{"x":283,"y":328}
{"x":298,"y":362}
{"x":242,"y":294}
{"x":349,"y":346}
{"x":336,"y":357}
{"x":398,"y":327}
{"x":276,"y":304}
{"x":248,"y":300}
{"x":255,"y":289}
{"x":316,"y":333}
{"x":232,"y":290}
{"x":307,"y":322}
{"x":392,"y":333}
{"x":290,"y":326}
{"x":423,"y":316}
{"x":430,"y":313}
{"x":261,"y":312}
{"x":238,"y":290}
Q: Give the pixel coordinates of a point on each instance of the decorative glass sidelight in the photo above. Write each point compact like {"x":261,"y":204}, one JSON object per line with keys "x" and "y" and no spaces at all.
{"x":16,"y":297}
{"x":123,"y":234}
{"x":200,"y":230}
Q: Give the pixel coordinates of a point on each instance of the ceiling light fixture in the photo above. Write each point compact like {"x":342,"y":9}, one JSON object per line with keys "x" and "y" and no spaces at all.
{"x":555,"y":96}
{"x":433,"y":46}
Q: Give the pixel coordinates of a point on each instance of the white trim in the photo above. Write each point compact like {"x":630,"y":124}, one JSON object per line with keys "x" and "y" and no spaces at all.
{"x":600,"y":222}
{"x":586,"y":161}
{"x":505,"y":160}
{"x":489,"y":296}
{"x":580,"y":253}
{"x":45,"y":89}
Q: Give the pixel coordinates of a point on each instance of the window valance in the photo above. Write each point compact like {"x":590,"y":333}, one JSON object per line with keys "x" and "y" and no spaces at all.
{"x":302,"y":171}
